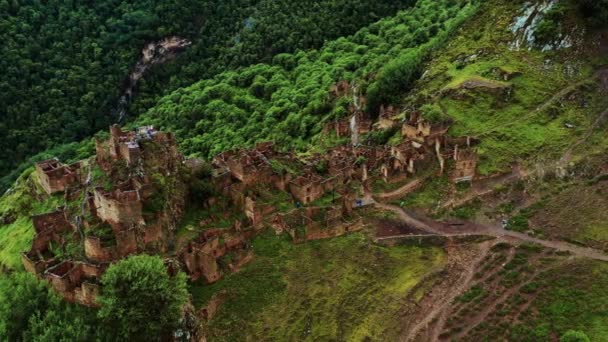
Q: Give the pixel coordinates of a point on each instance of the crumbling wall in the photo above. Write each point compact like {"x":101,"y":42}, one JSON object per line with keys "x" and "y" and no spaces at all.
{"x":119,"y":207}
{"x":55,"y":177}
{"x":306,"y":189}
{"x":465,"y":165}
{"x":94,"y":250}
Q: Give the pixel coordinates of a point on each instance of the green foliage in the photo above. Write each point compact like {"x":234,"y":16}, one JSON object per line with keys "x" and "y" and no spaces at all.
{"x":64,"y":63}
{"x":31,"y":312}
{"x":21,"y":296}
{"x":395,"y":78}
{"x":290,"y":104}
{"x":574,"y":336}
{"x":433,"y":113}
{"x":473,"y":293}
{"x":140,"y":300}
{"x":573,"y":297}
{"x":320,"y":290}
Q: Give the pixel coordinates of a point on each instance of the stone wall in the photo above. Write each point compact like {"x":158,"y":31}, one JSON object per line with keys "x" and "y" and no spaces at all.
{"x":119,"y":207}
{"x":306,"y":190}
{"x":55,"y":177}
{"x":465,"y":165}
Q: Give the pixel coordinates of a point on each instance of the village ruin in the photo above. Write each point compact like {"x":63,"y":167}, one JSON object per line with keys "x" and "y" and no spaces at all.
{"x":133,"y":195}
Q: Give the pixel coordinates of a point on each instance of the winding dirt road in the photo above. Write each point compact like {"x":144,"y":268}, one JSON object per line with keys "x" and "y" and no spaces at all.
{"x":466,"y":228}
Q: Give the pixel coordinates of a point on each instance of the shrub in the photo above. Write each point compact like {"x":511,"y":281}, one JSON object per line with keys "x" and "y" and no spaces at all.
{"x":140,"y":300}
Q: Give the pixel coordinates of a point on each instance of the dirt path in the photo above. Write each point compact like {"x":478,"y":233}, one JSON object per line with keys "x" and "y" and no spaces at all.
{"x":440,"y":305}
{"x":402,"y":191}
{"x":469,"y":228}
{"x":485,"y":186}
{"x":409,"y":220}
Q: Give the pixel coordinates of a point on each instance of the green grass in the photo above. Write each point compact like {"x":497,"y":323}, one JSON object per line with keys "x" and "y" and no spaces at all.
{"x":26,"y":198}
{"x":473,"y":293}
{"x":572,"y":297}
{"x":339,"y":289}
{"x":429,"y":194}
{"x":510,"y":128}
{"x":14,"y":239}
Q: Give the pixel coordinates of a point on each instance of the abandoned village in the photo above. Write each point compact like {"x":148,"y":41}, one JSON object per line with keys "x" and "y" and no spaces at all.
{"x":131,"y":197}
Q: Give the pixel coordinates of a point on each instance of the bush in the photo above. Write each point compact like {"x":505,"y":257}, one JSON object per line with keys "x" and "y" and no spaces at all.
{"x":574,"y":336}
{"x":140,"y":300}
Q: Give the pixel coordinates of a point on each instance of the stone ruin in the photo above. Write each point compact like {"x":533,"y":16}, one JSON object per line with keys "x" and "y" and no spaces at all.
{"x":421,"y":138}
{"x":127,"y":147}
{"x":74,"y":281}
{"x":55,"y":177}
{"x":111,"y":223}
{"x":203,"y":257}
{"x":315,"y":223}
{"x":118,"y":225}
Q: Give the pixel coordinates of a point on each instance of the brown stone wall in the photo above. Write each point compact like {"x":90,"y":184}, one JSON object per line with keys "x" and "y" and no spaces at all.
{"x":126,"y":242}
{"x":55,"y":221}
{"x":31,"y":265}
{"x":126,"y":210}
{"x":153,"y":233}
{"x":87,"y":294}
{"x":307,"y":192}
{"x":465,"y":169}
{"x":55,"y":177}
{"x":95,"y":252}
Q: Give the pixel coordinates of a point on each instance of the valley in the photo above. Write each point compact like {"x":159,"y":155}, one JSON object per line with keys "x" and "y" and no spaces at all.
{"x":440,"y":174}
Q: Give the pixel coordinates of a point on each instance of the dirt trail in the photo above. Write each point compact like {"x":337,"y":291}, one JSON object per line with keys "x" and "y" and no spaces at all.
{"x":486,"y":186}
{"x":402,"y":191}
{"x":469,"y":228}
{"x":407,"y":219}
{"x":440,"y":305}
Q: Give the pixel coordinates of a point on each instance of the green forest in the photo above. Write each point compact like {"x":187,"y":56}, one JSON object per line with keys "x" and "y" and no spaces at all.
{"x":262,"y":70}
{"x":287,"y":101}
{"x":65,"y":62}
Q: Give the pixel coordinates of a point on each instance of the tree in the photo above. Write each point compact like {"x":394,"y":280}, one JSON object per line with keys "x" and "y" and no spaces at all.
{"x":140,"y":300}
{"x":29,"y":311}
{"x":574,"y":336}
{"x":21,"y":296}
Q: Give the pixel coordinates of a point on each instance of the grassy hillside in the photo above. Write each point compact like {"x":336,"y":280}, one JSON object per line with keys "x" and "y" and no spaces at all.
{"x":522,"y":117}
{"x":25,"y":199}
{"x":339,"y":289}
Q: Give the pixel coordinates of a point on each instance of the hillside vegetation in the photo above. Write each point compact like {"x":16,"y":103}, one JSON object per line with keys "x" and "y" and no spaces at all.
{"x":64,"y":63}
{"x":262,"y":70}
{"x":288,"y":100}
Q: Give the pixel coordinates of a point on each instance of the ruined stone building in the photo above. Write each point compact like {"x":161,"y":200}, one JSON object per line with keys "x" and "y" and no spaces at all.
{"x":55,"y":177}
{"x":75,"y":282}
{"x":202,"y":256}
{"x":465,"y":165}
{"x":111,"y":222}
{"x":127,"y":147}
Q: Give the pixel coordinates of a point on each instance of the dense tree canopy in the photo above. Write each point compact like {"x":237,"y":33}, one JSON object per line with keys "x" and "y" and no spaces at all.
{"x":64,"y":62}
{"x":29,"y":311}
{"x":288,"y":100}
{"x":140,"y":301}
